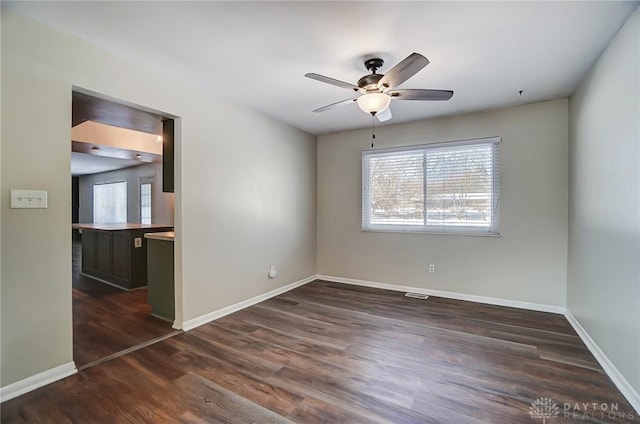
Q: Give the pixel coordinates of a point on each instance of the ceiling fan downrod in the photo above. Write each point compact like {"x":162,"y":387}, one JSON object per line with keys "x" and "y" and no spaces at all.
{"x":373,"y":64}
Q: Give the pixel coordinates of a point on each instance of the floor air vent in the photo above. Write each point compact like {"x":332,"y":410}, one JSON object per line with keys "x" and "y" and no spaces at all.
{"x":416,"y":295}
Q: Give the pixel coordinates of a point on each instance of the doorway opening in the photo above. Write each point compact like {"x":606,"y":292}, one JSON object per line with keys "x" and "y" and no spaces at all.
{"x":122,"y":175}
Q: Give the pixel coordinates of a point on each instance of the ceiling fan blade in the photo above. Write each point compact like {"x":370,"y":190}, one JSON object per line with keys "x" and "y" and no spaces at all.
{"x":336,"y":104}
{"x":403,"y":71}
{"x":332,"y":81}
{"x":421,"y":94}
{"x":385,"y":115}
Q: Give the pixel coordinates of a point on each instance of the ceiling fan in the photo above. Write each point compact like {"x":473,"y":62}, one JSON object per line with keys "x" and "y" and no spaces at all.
{"x":377,"y":90}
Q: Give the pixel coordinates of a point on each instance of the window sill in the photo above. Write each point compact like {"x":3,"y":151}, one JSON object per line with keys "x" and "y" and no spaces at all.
{"x":429,"y":232}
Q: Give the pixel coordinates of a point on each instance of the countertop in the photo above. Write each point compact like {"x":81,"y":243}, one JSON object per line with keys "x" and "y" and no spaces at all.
{"x":118,"y":227}
{"x":167,"y":236}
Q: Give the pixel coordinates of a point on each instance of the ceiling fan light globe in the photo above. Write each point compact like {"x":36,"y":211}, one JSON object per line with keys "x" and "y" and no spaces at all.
{"x":373,"y":102}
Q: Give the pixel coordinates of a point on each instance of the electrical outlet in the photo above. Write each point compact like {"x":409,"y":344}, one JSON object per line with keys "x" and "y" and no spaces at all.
{"x":272,"y":271}
{"x":432,"y":268}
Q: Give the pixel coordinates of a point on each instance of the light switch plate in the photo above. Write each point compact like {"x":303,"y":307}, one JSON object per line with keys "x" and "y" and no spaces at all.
{"x":28,"y":199}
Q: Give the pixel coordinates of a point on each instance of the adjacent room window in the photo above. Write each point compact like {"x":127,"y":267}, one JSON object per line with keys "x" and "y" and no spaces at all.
{"x":110,"y":203}
{"x":450,"y":187}
{"x":145,"y":203}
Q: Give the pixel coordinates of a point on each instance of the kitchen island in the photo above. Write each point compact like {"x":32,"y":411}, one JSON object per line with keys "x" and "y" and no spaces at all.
{"x":116,"y":254}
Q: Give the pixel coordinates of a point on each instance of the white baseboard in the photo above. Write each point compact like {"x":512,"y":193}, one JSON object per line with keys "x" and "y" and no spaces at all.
{"x":618,"y":379}
{"x":36,"y":381}
{"x":449,"y":295}
{"x":212,"y":316}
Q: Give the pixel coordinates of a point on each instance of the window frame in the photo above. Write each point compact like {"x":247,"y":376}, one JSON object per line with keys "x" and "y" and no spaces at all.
{"x":145,"y":181}
{"x":492,"y":230}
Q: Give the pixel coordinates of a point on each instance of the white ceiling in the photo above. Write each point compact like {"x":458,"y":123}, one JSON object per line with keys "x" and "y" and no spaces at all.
{"x":85,"y":163}
{"x":258,"y":52}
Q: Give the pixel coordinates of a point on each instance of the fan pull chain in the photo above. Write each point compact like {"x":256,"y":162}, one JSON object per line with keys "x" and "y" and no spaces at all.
{"x":373,"y":129}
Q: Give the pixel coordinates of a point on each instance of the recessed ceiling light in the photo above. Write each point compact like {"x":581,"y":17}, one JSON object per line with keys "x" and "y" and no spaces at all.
{"x":95,"y":148}
{"x":138,"y":156}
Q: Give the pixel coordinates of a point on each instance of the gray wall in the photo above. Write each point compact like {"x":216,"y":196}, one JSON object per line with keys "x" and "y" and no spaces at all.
{"x":527,"y":263}
{"x":162,"y":203}
{"x":603,"y":290}
{"x":245,"y":191}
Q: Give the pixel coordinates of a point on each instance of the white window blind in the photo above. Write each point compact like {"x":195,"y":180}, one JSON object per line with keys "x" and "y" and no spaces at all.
{"x":110,"y":203}
{"x":145,"y":203}
{"x":450,"y":187}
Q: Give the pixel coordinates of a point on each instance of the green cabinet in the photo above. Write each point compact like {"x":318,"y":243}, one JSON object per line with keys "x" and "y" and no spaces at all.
{"x":160,"y":267}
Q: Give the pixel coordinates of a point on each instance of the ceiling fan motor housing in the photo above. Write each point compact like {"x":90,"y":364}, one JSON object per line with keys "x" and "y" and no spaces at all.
{"x":370,"y":82}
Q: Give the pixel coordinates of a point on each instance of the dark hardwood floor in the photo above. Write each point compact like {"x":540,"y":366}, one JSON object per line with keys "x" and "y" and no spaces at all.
{"x":329,"y":353}
{"x":108,"y":320}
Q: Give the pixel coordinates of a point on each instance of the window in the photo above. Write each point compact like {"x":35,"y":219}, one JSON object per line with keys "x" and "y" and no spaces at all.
{"x":110,"y":203}
{"x":145,"y":203}
{"x":450,"y":187}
